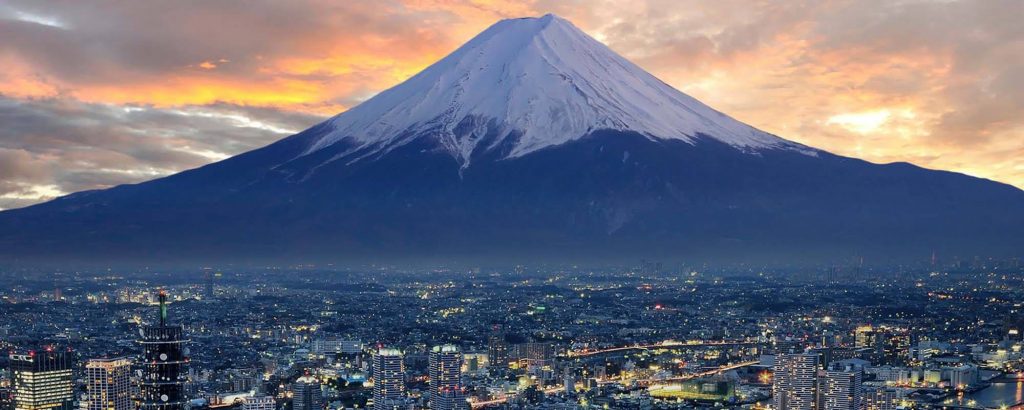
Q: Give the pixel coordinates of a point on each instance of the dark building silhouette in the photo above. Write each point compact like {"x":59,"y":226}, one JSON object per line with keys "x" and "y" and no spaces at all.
{"x":164,"y":361}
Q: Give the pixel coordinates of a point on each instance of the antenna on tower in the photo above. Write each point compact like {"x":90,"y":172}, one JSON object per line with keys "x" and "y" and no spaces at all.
{"x":163,"y":308}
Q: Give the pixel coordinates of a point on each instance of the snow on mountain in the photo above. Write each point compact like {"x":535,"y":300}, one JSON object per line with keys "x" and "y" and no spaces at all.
{"x":541,"y":81}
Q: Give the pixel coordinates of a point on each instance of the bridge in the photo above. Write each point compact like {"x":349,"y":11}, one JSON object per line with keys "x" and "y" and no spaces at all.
{"x":662,"y":345}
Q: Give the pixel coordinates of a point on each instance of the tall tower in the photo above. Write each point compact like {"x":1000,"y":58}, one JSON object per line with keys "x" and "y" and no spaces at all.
{"x":208,"y":285}
{"x":795,"y":382}
{"x":388,"y":379}
{"x":306,"y":394}
{"x":446,"y":378}
{"x":108,"y":384}
{"x":164,"y":359}
{"x":42,"y":380}
{"x":497,"y":349}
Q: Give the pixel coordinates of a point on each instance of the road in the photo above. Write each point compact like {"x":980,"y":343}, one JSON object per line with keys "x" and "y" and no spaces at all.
{"x":587,"y":353}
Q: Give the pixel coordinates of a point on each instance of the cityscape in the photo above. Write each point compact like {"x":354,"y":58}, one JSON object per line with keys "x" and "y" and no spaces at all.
{"x":654,"y":336}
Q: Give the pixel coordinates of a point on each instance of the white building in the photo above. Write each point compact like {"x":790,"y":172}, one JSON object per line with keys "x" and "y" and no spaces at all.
{"x":258,"y":403}
{"x":963,"y":376}
{"x":446,"y":378}
{"x":107,"y":384}
{"x":388,"y":380}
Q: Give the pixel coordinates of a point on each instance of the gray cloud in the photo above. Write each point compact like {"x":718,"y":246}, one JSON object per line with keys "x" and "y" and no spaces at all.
{"x":74,"y":146}
{"x":113,"y":41}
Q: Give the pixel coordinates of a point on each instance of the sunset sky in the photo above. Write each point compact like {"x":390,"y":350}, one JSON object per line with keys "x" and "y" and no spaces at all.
{"x":94,"y":94}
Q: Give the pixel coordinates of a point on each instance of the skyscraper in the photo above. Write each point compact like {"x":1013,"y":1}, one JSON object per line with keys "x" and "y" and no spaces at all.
{"x":497,"y":349}
{"x":446,"y":378}
{"x":794,"y":387}
{"x":108,"y":384}
{"x":306,"y":394}
{"x":42,"y":380}
{"x":841,"y":390}
{"x":165,"y":356}
{"x":388,"y":379}
{"x":208,"y":285}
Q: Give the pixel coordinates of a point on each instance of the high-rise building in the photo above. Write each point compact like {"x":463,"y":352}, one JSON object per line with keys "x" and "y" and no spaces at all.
{"x":445,"y":364}
{"x":795,"y":381}
{"x":42,"y":380}
{"x":388,"y":379}
{"x":208,"y":285}
{"x":165,"y":356}
{"x":108,"y":384}
{"x":841,"y":390}
{"x":259,"y":403}
{"x":497,"y":349}
{"x":306,"y":394}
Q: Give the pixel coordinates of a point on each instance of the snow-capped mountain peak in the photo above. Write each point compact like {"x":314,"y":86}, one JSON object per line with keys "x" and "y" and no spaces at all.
{"x":533,"y":83}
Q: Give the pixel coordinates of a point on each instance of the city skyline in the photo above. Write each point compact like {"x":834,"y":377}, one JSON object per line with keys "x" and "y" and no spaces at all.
{"x":271,"y":341}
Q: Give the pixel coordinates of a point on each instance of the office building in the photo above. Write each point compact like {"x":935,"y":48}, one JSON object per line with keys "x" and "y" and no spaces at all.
{"x":42,"y":380}
{"x":108,"y":384}
{"x":795,"y":382}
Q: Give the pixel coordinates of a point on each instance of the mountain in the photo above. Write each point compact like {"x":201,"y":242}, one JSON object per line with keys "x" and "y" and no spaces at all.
{"x":531,"y":142}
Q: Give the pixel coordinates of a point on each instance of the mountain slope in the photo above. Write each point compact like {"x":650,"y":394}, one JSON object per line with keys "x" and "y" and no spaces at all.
{"x":466,"y":161}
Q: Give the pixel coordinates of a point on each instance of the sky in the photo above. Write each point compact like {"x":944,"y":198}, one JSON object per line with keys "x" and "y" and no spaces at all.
{"x":99,"y":93}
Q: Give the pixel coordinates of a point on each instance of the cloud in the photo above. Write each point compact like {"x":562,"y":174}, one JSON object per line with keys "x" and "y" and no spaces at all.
{"x":66,"y":146}
{"x":105,"y":92}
